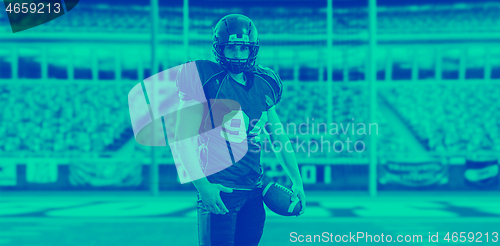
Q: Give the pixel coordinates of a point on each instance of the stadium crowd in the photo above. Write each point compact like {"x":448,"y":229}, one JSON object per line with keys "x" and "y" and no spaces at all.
{"x":102,"y":18}
{"x":453,"y":118}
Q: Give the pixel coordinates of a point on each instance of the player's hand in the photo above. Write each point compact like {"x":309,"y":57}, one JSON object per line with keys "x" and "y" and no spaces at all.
{"x":210,"y":195}
{"x":298,"y":193}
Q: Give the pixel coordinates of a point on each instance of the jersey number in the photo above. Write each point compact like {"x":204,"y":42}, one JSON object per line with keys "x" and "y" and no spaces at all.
{"x":235,"y":125}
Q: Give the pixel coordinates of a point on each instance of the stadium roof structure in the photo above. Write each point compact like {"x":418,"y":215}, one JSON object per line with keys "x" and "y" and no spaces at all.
{"x":289,"y":3}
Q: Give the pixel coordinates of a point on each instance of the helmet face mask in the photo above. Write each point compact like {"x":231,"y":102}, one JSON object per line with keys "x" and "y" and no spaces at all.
{"x":235,"y":29}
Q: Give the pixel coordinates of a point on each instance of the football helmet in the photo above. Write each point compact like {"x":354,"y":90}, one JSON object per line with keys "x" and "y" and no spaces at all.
{"x":240,"y":30}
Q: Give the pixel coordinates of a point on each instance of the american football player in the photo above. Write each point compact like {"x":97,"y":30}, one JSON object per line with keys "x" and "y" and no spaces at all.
{"x":225,"y":105}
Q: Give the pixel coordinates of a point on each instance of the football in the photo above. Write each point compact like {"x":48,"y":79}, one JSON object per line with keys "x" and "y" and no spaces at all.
{"x":278,"y":199}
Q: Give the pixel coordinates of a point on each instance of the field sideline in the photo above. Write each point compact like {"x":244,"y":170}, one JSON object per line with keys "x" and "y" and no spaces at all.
{"x":131,"y":218}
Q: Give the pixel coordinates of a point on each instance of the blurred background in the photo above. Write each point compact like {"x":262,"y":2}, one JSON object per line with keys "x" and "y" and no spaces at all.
{"x":426,"y":73}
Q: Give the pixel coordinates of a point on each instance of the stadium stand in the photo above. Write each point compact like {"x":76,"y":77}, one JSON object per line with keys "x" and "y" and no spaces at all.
{"x":34,"y":120}
{"x":98,"y":119}
{"x":453,"y":118}
{"x":103,"y":18}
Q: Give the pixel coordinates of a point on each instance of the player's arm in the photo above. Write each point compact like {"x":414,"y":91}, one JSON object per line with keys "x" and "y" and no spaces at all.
{"x":285,"y":155}
{"x":189,"y":118}
{"x":188,"y":122}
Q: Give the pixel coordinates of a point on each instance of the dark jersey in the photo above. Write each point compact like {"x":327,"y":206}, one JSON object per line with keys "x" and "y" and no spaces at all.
{"x":233,"y":118}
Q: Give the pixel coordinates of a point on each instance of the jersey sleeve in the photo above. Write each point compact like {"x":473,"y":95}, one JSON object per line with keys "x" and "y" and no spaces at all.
{"x":188,"y":82}
{"x":279,"y":87}
{"x":274,"y":81}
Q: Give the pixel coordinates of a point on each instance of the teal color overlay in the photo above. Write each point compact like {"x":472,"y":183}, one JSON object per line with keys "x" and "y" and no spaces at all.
{"x":413,"y":116}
